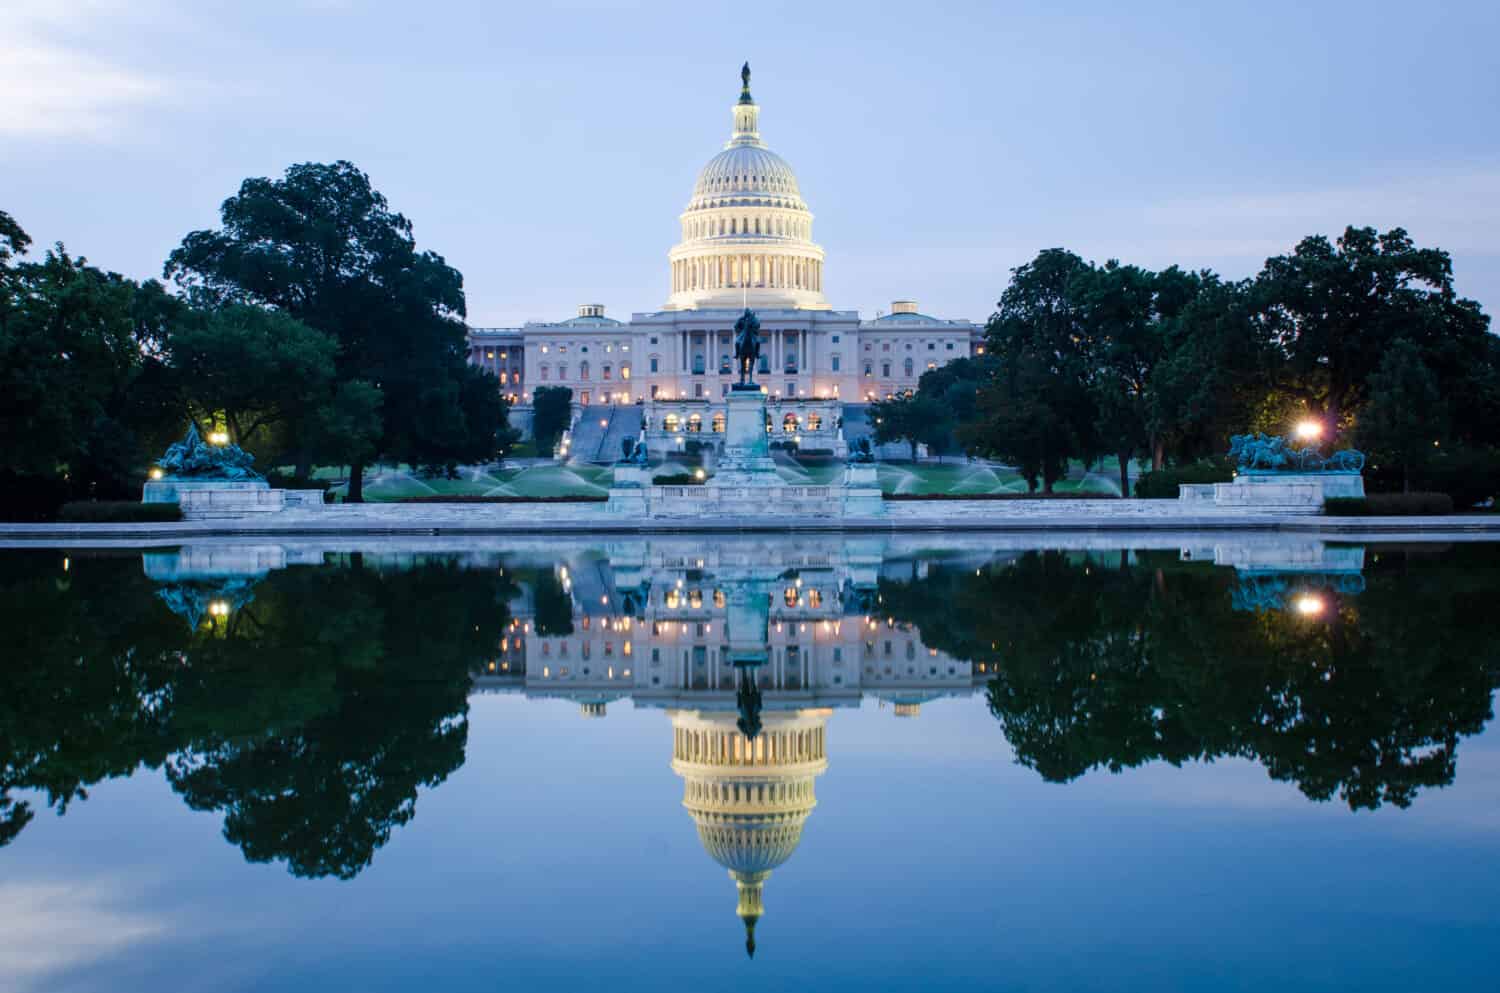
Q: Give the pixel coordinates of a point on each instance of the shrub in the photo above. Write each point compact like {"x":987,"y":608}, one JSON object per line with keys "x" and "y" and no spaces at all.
{"x":677,"y":479}
{"x":117,"y":511}
{"x":1390,"y":505}
{"x":1162,"y":484}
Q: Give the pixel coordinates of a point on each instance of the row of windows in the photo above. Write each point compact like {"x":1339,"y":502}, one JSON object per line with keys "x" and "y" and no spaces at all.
{"x":693,"y":423}
{"x":606,"y":371}
{"x":780,"y":226}
{"x":885,"y":346}
{"x":609,"y":346}
{"x":908,"y":368}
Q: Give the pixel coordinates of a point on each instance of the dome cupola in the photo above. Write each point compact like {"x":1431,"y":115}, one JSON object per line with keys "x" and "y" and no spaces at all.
{"x":746,"y":232}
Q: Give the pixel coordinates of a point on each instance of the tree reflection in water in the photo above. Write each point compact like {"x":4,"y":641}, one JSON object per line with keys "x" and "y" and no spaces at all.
{"x":1115,"y":662}
{"x":310,"y":706}
{"x":309,"y":716}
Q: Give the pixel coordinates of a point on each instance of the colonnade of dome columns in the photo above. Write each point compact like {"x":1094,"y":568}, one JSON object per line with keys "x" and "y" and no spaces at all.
{"x":721,"y":794}
{"x":732,"y":271}
{"x":770,"y":748}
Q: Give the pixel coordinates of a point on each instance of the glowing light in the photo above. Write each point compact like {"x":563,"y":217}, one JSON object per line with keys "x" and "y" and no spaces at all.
{"x":156,"y":473}
{"x":218,"y":438}
{"x":219,"y":608}
{"x":1309,"y":430}
{"x":699,"y":474}
{"x":1309,"y":605}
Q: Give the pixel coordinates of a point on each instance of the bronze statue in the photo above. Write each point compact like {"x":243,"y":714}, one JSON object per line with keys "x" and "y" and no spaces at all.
{"x":747,"y":346}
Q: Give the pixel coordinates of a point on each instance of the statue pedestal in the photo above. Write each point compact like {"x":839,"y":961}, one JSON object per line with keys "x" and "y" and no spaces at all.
{"x":862,"y":491}
{"x":746,"y":460}
{"x":627,"y":492}
{"x":170,"y":490}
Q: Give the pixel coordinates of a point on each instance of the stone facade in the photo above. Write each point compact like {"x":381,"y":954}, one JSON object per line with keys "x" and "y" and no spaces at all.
{"x":746,"y":241}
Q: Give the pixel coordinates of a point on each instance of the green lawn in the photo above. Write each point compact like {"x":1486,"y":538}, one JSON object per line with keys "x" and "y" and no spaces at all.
{"x":387,"y":483}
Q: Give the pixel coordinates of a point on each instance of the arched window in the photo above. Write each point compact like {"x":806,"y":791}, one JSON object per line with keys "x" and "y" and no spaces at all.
{"x":583,"y":370}
{"x":906,"y":367}
{"x":562,"y":370}
{"x":718,"y":424}
{"x":695,"y":424}
{"x":869,"y":369}
{"x":605,"y":371}
{"x":814,"y":422}
{"x":789,"y":424}
{"x":671,"y":422}
{"x":625,"y":371}
{"x":885,"y":369}
{"x":546,"y":371}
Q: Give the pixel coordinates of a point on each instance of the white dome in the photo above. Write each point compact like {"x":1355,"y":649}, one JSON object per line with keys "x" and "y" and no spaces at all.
{"x":747,"y":174}
{"x":746,"y":232}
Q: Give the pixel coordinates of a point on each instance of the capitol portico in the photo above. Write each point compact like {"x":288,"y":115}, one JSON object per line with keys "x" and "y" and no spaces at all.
{"x":746,"y":241}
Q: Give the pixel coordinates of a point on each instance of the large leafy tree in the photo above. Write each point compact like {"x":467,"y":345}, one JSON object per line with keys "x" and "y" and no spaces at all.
{"x":1039,"y":412}
{"x":551,"y":410}
{"x":82,"y":395}
{"x":322,"y":245}
{"x":255,"y":368}
{"x":1406,"y":415}
{"x":1334,"y":308}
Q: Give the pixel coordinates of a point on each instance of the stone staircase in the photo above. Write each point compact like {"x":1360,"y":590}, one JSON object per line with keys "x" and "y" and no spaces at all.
{"x":599,"y":431}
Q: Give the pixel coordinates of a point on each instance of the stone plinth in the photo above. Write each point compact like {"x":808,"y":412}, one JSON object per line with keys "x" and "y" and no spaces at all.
{"x":205,"y":503}
{"x":746,"y":460}
{"x":627,"y":492}
{"x":1273,"y":492}
{"x":170,"y":490}
{"x":861,"y":491}
{"x":1330,"y":484}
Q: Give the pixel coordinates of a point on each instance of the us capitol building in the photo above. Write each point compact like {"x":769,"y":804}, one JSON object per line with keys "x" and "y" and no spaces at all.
{"x":747,"y":241}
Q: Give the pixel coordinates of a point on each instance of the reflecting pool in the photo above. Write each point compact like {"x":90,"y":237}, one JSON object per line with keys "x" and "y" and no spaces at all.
{"x":750,"y":763}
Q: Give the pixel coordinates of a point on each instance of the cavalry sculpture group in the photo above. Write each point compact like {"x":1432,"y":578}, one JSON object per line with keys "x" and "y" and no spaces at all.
{"x":1272,"y":453}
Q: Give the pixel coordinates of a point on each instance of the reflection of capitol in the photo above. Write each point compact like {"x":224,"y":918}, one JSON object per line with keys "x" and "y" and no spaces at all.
{"x":696,"y":633}
{"x":749,"y":798}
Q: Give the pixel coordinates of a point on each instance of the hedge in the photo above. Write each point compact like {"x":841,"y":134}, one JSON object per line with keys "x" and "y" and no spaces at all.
{"x":677,"y":479}
{"x":117,"y":511}
{"x":1390,"y":505}
{"x":1162,"y":484}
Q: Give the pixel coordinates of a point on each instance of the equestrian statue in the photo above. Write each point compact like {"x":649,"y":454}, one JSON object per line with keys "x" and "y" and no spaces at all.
{"x":747,"y":347}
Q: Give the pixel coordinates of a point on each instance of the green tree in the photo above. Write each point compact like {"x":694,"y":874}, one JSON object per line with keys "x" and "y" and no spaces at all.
{"x":1405,"y":416}
{"x":80,"y":397}
{"x":323,"y":245}
{"x":1040,"y":411}
{"x":1333,"y":309}
{"x":254,"y":368}
{"x":915,"y":420}
{"x":551,"y":413}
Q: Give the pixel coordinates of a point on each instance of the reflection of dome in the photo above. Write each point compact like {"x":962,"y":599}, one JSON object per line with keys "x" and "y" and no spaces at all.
{"x":749,"y":799}
{"x":747,"y":232}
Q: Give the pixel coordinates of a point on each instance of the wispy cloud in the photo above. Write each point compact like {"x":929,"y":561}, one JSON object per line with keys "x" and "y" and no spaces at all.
{"x":55,"y":81}
{"x":52,"y":927}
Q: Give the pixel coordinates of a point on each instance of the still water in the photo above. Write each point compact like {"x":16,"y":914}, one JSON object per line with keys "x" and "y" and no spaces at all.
{"x":750,"y":764}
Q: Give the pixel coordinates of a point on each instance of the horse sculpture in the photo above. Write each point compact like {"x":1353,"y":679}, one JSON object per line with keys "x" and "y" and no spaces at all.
{"x":1261,"y":452}
{"x":747,"y":346}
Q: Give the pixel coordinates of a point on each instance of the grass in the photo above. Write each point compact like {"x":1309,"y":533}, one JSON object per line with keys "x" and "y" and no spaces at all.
{"x":399,"y":482}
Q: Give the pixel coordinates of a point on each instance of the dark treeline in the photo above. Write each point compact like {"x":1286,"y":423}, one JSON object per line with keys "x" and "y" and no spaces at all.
{"x":309,"y":328}
{"x":1118,"y":660}
{"x":1365,"y":334}
{"x":307,"y":716}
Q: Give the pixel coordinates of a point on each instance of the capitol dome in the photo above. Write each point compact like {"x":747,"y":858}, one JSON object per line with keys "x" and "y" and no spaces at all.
{"x":749,"y":798}
{"x":746,"y":231}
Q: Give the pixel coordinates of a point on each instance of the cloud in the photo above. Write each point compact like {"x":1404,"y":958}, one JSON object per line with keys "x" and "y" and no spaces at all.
{"x":51,"y":927}
{"x":55,"y":86}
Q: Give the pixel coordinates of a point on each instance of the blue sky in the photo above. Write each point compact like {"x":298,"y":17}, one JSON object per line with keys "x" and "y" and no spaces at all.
{"x":546,"y":150}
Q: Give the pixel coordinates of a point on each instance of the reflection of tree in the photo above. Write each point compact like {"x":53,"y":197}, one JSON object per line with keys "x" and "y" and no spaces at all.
{"x":87,"y":652}
{"x":1114,"y":665}
{"x":365,"y":702}
{"x":310,"y":716}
